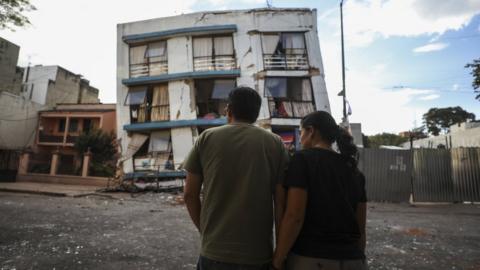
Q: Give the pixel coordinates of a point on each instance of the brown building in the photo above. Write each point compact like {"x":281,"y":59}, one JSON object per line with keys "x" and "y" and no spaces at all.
{"x":59,"y":128}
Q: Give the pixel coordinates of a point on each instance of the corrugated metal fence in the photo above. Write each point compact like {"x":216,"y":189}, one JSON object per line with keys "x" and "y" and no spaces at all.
{"x":430,"y":175}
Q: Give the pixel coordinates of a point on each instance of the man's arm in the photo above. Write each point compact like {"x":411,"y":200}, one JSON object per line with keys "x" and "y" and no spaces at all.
{"x":191,"y":195}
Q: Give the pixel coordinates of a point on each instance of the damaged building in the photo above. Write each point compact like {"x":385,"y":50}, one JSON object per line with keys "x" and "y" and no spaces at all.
{"x":175,"y":73}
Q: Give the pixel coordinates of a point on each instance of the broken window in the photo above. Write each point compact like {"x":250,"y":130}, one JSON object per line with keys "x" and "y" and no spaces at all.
{"x":289,"y":97}
{"x":284,"y":51}
{"x":213,"y":53}
{"x":156,"y":153}
{"x":211,"y":97}
{"x":148,"y":103}
{"x":148,"y":60}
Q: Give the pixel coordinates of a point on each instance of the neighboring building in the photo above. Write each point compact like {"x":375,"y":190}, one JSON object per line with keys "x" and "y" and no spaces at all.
{"x":59,"y":128}
{"x":50,"y":85}
{"x":174,"y":75}
{"x":10,"y":74}
{"x":461,"y":135}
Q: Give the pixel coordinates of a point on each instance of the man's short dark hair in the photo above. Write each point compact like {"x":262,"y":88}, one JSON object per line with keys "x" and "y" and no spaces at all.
{"x":244,"y":103}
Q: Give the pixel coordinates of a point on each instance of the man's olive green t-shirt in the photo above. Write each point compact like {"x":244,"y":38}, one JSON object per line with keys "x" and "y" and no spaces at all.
{"x":240,"y":165}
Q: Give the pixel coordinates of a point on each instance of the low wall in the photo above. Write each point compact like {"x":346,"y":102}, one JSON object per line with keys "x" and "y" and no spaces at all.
{"x":63,"y":179}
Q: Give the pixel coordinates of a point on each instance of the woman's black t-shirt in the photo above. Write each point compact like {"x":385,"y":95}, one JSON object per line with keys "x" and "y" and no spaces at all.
{"x":334,"y":188}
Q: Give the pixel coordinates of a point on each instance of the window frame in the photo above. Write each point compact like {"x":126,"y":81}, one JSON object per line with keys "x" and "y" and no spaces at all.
{"x":146,"y":57}
{"x":211,"y":102}
{"x":214,"y":55}
{"x":288,"y":99}
{"x":284,"y":54}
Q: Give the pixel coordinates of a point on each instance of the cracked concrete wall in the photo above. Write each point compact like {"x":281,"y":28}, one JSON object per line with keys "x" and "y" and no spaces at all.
{"x":249,"y":59}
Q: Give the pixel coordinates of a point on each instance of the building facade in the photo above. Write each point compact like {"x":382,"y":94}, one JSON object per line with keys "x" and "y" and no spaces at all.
{"x":10,"y":74}
{"x":49,"y":85}
{"x":175,"y":73}
{"x":58,"y":129}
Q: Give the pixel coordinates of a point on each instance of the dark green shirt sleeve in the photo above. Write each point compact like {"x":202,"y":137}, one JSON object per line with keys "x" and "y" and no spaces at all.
{"x":192,"y":163}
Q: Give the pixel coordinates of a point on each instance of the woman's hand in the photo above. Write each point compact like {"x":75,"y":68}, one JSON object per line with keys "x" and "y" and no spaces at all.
{"x":277,"y":263}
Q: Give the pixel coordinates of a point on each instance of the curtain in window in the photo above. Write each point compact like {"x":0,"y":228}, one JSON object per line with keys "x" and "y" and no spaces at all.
{"x":160,"y":108}
{"x":306,"y":90}
{"x":202,"y":47}
{"x":138,"y":55}
{"x":223,"y":45}
{"x":270,"y":43}
{"x":157,"y":55}
{"x":136,"y":142}
{"x":159,"y":141}
{"x":221,"y":88}
{"x":157,"y":49}
{"x":276,"y":87}
{"x":293,"y":43}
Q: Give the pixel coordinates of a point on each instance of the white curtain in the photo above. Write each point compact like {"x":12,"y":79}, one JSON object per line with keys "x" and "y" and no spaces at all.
{"x":223,"y":45}
{"x":269,"y":43}
{"x":138,"y":54}
{"x":202,"y":47}
{"x":159,"y":141}
{"x":306,"y":90}
{"x":136,"y":141}
{"x":293,"y":43}
{"x":160,"y":109}
{"x":276,"y":87}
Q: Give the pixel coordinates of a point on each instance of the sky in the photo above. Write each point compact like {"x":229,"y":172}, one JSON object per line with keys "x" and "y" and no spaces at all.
{"x":402,"y":56}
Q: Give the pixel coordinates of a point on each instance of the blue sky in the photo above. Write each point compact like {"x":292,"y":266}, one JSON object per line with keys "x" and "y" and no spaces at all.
{"x":402,"y":56}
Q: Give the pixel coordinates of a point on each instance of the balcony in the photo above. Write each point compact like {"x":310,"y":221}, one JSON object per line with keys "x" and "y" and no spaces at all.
{"x":285,"y":61}
{"x":147,"y":70}
{"x":223,"y":62}
{"x":49,"y":138}
{"x":145,"y":114}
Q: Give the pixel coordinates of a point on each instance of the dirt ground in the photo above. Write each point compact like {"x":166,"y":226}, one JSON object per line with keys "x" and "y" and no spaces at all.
{"x":153,"y":231}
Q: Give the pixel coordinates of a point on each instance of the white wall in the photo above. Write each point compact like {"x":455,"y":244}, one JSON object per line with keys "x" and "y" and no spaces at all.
{"x":249,"y":58}
{"x":39,"y":76}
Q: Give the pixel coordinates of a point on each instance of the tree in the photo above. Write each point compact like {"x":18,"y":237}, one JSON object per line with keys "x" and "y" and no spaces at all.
{"x":475,"y":66}
{"x":11,"y":13}
{"x":440,"y":119}
{"x":376,"y":141}
{"x":103,"y":149}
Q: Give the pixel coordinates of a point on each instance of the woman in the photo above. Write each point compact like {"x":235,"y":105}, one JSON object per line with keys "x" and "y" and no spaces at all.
{"x":323,"y":226}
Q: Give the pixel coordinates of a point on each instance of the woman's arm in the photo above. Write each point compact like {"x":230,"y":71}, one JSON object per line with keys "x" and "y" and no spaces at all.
{"x":291,"y":224}
{"x":362,"y":221}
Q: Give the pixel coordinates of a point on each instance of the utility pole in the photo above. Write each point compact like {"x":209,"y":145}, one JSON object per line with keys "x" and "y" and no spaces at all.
{"x":344,"y":90}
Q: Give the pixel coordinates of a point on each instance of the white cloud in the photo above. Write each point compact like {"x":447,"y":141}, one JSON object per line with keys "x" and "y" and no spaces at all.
{"x":430,"y":97}
{"x":368,"y":20}
{"x":432,"y":47}
{"x":455,"y":87}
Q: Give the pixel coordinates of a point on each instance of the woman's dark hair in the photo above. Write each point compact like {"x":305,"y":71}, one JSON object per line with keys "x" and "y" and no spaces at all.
{"x":323,"y":123}
{"x":244,"y":104}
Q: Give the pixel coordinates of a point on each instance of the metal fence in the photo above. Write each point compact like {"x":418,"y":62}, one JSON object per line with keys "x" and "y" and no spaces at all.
{"x":388,"y":174}
{"x":430,"y":175}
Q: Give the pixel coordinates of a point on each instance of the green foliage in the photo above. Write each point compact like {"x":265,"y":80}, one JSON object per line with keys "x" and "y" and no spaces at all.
{"x":440,"y":119}
{"x":475,"y":66}
{"x":11,"y":13}
{"x":385,"y":139}
{"x":103,"y":149}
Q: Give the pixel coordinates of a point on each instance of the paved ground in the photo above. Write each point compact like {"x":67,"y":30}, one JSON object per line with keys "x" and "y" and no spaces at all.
{"x":152,"y":231}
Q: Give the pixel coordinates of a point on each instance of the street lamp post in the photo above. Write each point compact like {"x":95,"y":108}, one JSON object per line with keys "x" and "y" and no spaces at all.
{"x":344,"y":90}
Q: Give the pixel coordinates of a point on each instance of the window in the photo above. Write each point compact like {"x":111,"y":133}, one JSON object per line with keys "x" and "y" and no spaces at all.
{"x":213,"y":53}
{"x":73,"y":125}
{"x":284,"y":51}
{"x":289,"y":97}
{"x":211,"y":96}
{"x":148,"y":60}
{"x":156,"y":153}
{"x":87,"y":125}
{"x":148,"y":104}
{"x":61,"y":125}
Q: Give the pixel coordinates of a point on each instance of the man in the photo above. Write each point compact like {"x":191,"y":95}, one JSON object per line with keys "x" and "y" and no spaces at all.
{"x":238,"y":165}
